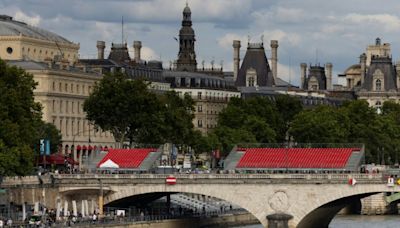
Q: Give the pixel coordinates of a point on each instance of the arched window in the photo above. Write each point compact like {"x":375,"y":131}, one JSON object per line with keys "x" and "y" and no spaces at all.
{"x":378,"y":85}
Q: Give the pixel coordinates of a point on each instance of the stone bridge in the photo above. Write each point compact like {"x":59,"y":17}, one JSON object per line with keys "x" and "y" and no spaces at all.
{"x":312,"y":199}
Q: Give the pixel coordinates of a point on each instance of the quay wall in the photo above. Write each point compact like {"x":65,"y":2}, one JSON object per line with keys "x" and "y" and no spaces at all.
{"x":220,"y":221}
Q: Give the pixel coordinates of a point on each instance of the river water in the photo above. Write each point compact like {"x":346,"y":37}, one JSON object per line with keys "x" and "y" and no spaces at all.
{"x":358,"y":221}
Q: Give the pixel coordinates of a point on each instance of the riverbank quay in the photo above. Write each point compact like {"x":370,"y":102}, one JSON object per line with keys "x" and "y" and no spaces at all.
{"x":209,"y":221}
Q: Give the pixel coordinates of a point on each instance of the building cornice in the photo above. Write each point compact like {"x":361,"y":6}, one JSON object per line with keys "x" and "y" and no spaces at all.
{"x":39,"y":41}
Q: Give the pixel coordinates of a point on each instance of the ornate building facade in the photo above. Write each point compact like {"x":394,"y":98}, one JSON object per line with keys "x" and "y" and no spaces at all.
{"x":62,"y":87}
{"x":376,"y":78}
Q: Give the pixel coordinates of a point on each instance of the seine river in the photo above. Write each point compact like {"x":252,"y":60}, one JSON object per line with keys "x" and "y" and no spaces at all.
{"x":359,"y":221}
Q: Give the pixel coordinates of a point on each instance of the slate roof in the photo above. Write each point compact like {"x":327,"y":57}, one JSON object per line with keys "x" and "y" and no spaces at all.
{"x":255,"y":58}
{"x":319,"y":73}
{"x":119,"y":53}
{"x":385,"y":65}
{"x":10,"y":27}
{"x":98,"y":62}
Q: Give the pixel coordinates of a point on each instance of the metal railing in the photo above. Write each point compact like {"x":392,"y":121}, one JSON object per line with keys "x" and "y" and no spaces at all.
{"x":221,"y":176}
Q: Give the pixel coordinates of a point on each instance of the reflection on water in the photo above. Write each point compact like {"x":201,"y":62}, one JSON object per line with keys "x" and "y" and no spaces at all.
{"x":357,"y":221}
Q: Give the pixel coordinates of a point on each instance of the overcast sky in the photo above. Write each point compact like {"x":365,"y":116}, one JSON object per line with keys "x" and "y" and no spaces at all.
{"x":310,"y":31}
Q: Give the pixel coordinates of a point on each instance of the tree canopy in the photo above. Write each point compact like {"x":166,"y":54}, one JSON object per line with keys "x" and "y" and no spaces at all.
{"x":133,"y":113}
{"x":21,"y":125}
{"x":254,"y":120}
{"x":353,"y":122}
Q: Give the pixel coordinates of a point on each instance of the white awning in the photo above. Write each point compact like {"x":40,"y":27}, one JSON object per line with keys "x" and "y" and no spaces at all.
{"x":109,"y":164}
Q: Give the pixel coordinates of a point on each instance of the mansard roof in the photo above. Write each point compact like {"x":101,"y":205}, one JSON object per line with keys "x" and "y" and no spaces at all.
{"x":255,"y":58}
{"x":385,"y":66}
{"x":119,"y":53}
{"x":318,"y":73}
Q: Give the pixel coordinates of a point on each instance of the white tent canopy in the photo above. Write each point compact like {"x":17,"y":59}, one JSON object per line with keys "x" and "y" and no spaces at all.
{"x":109,"y":164}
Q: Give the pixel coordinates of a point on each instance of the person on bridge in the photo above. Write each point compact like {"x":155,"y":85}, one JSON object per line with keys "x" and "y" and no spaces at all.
{"x":94,"y":218}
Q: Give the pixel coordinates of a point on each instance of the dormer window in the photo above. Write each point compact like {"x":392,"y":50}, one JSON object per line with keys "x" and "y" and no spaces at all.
{"x":378,"y":81}
{"x":251,"y":77}
{"x":378,"y":85}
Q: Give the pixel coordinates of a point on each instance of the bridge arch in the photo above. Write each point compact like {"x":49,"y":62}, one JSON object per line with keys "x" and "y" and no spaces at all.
{"x":320,"y":213}
{"x":222,"y":193}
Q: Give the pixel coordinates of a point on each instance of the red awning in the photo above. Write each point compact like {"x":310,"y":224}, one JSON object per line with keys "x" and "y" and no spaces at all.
{"x":84,"y":147}
{"x":56,"y":159}
{"x":78,"y":147}
{"x":90,"y":147}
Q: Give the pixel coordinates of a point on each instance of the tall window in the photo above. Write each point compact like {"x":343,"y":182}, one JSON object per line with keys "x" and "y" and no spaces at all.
{"x":251,"y":81}
{"x":200,"y":123}
{"x":199,"y":95}
{"x":378,"y":85}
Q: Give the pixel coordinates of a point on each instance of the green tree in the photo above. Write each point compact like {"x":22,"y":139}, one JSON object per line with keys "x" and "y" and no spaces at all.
{"x":288,"y":107}
{"x":121,"y":106}
{"x":177,"y":123}
{"x":323,"y":124}
{"x":19,"y":115}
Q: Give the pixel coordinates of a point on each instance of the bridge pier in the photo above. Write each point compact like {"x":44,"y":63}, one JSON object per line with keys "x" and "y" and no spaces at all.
{"x":279,"y":220}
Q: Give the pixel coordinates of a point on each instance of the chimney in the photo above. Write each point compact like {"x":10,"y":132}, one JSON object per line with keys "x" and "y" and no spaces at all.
{"x":274,"y":58}
{"x":363,"y":64}
{"x":398,"y":72}
{"x":236,"y":59}
{"x":101,"y":45}
{"x":328,"y":69}
{"x":303,"y":73}
{"x":137,"y":45}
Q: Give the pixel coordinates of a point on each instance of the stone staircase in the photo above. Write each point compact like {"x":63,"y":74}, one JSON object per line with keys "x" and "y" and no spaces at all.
{"x":353,"y":163}
{"x":232,"y":160}
{"x":149,"y":161}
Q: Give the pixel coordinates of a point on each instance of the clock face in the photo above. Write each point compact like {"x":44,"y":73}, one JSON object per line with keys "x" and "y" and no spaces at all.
{"x":279,"y":201}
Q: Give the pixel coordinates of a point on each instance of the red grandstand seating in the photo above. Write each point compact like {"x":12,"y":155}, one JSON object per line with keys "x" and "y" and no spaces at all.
{"x":297,"y":158}
{"x":127,"y":158}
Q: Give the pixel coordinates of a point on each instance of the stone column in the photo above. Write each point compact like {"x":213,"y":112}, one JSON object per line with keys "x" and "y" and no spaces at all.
{"x":303,"y":73}
{"x":101,"y":45}
{"x":23,"y":210}
{"x":65,"y":208}
{"x":83,"y":208}
{"x":137,"y":45}
{"x":58,"y":211}
{"x":278,"y":220}
{"x":274,"y":58}
{"x":363,"y":64}
{"x":74,"y":210}
{"x":236,"y":59}
{"x":328,"y":69}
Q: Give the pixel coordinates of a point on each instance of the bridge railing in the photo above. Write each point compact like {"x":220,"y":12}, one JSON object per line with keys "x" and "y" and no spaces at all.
{"x":221,"y":176}
{"x":50,"y":178}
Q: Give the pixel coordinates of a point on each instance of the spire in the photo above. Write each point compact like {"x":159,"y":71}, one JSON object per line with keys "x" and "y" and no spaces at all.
{"x":187,"y":56}
{"x":187,"y":14}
